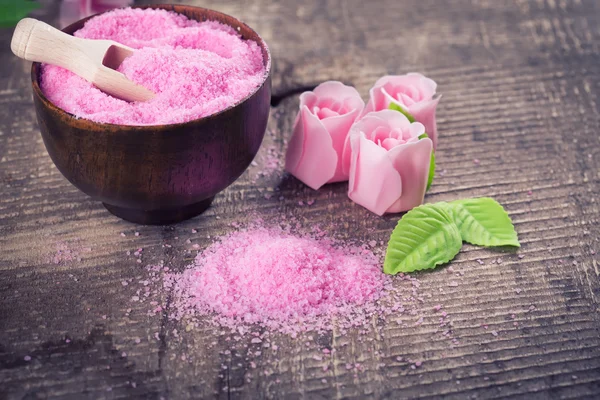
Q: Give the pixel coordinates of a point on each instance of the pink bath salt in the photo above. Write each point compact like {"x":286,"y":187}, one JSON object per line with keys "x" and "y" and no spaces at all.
{"x":282,"y":281}
{"x":194,"y":68}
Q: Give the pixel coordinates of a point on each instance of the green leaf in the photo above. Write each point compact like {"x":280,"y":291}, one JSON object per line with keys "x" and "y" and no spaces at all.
{"x":12,"y":11}
{"x":425,"y":237}
{"x":396,"y":107}
{"x":484,"y":222}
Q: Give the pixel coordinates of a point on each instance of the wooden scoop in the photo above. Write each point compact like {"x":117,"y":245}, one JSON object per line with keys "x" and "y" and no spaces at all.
{"x":94,"y":60}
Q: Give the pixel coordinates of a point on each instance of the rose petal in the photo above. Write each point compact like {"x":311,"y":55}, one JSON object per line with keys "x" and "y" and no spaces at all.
{"x":308,"y":99}
{"x":388,"y":119}
{"x":324,"y":113}
{"x":424,"y":113}
{"x":374,"y":182}
{"x":416,"y":129}
{"x":412,"y":161}
{"x":338,"y":128}
{"x":311,"y":157}
{"x":429,"y":87}
{"x":390,"y":143}
{"x":380,"y":95}
{"x":348,"y":95}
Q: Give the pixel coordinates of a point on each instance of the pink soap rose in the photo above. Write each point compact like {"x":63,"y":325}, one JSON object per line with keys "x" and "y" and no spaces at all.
{"x":314,"y":154}
{"x":74,"y":10}
{"x":413,"y":93}
{"x":388,"y":163}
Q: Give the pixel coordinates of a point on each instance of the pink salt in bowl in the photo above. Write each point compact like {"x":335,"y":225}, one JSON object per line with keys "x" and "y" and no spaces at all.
{"x":158,"y":174}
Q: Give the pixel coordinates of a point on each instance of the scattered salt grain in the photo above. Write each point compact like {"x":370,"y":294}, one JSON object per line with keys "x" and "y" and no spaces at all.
{"x":276,"y":279}
{"x":27,"y":358}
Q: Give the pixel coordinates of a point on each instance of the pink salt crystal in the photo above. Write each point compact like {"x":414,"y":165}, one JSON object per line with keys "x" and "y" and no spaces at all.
{"x":122,"y":234}
{"x":137,"y":234}
{"x":494,"y":333}
{"x":27,"y":358}
{"x":123,"y":354}
{"x":418,"y":363}
{"x":437,"y":307}
{"x":194,"y":68}
{"x":475,"y":161}
{"x":274,"y":278}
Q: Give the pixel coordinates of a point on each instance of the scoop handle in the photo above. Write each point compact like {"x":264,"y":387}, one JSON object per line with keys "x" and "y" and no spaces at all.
{"x":35,"y":40}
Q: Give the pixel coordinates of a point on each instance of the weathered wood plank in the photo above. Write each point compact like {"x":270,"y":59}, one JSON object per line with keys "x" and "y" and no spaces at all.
{"x":520,"y":82}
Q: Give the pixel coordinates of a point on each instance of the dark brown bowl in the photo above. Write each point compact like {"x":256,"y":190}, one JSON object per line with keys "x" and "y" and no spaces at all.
{"x":164,"y":173}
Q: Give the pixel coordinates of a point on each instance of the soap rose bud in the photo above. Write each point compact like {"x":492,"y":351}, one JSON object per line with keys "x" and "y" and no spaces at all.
{"x":412,"y":93}
{"x":388,"y":163}
{"x":314,"y":154}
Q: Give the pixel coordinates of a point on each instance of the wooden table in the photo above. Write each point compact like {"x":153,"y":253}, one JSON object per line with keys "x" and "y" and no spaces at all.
{"x":520,"y":83}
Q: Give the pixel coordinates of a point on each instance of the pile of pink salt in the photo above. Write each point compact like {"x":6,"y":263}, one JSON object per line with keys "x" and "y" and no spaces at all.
{"x":280,"y":281}
{"x":195,"y":68}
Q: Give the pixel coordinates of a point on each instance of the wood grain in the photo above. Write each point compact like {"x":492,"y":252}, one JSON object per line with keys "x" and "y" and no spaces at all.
{"x":520,"y":85}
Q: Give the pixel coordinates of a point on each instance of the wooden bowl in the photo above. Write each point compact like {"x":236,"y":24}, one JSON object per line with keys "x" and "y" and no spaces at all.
{"x":164,"y":173}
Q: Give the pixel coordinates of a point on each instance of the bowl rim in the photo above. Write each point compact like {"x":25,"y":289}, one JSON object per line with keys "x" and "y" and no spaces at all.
{"x":36,"y":70}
